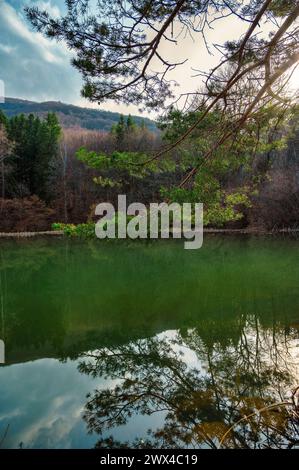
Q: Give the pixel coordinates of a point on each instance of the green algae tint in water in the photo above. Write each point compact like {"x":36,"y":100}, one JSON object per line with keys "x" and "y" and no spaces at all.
{"x":147,"y":344}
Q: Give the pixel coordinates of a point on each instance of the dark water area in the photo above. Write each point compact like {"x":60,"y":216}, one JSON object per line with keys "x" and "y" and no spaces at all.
{"x":148,"y":344}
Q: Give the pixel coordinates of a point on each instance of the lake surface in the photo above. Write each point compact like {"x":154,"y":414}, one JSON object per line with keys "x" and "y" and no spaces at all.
{"x":148,"y":344}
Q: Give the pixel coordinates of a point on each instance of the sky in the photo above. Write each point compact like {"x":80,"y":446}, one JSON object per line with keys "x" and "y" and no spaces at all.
{"x":33,"y":67}
{"x":43,"y":401}
{"x":36,"y":68}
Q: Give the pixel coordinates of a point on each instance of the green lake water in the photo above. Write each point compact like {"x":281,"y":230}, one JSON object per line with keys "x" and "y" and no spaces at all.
{"x":147,"y":344}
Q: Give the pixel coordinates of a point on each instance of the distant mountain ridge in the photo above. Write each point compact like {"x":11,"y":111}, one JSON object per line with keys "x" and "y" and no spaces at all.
{"x":70,"y":115}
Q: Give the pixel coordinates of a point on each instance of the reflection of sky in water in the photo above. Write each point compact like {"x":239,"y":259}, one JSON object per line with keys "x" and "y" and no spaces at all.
{"x":43,"y":401}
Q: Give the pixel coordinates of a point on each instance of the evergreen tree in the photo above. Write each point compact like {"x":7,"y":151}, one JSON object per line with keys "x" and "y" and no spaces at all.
{"x":36,"y":145}
{"x":3,"y":118}
{"x":130,"y":125}
{"x":142,"y":125}
{"x":119,"y":130}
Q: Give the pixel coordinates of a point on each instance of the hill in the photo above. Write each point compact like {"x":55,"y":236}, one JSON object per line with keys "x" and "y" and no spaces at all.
{"x":70,"y":115}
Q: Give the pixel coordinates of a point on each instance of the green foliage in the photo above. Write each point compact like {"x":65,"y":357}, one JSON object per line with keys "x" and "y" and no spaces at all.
{"x":281,"y":7}
{"x":123,"y":166}
{"x":130,"y":124}
{"x":222,"y":203}
{"x":219,"y":207}
{"x":86,"y":230}
{"x":237,"y":155}
{"x":123,"y":130}
{"x":35,"y":146}
{"x":129,"y":162}
{"x":119,"y":130}
{"x":81,"y":230}
{"x":3,"y":118}
{"x":106,"y":182}
{"x":176,"y":123}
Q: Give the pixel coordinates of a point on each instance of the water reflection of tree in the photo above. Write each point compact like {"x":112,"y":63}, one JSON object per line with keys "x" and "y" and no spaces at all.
{"x":201,"y":388}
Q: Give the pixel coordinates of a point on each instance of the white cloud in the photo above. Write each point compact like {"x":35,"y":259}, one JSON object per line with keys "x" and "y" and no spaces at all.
{"x":48,"y":50}
{"x":7,"y":49}
{"x":53,"y":10}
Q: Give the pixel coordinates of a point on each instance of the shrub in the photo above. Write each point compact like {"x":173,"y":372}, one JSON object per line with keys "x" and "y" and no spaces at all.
{"x":81,"y":230}
{"x":27,"y":214}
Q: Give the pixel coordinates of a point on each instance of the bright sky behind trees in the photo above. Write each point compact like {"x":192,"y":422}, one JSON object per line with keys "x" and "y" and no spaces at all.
{"x":36,"y":68}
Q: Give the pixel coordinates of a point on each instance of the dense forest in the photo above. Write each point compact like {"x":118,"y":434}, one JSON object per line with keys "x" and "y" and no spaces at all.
{"x":51,"y":174}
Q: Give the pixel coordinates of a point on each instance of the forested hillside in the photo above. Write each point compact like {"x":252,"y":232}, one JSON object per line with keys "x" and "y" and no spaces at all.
{"x":53,"y":174}
{"x":69,"y":115}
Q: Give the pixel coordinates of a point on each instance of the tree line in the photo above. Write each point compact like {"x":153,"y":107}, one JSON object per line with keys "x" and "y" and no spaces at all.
{"x":42,"y":178}
{"x":50,"y":174}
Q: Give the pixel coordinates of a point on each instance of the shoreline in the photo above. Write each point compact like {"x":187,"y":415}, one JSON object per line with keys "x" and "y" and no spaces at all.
{"x":247,"y":231}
